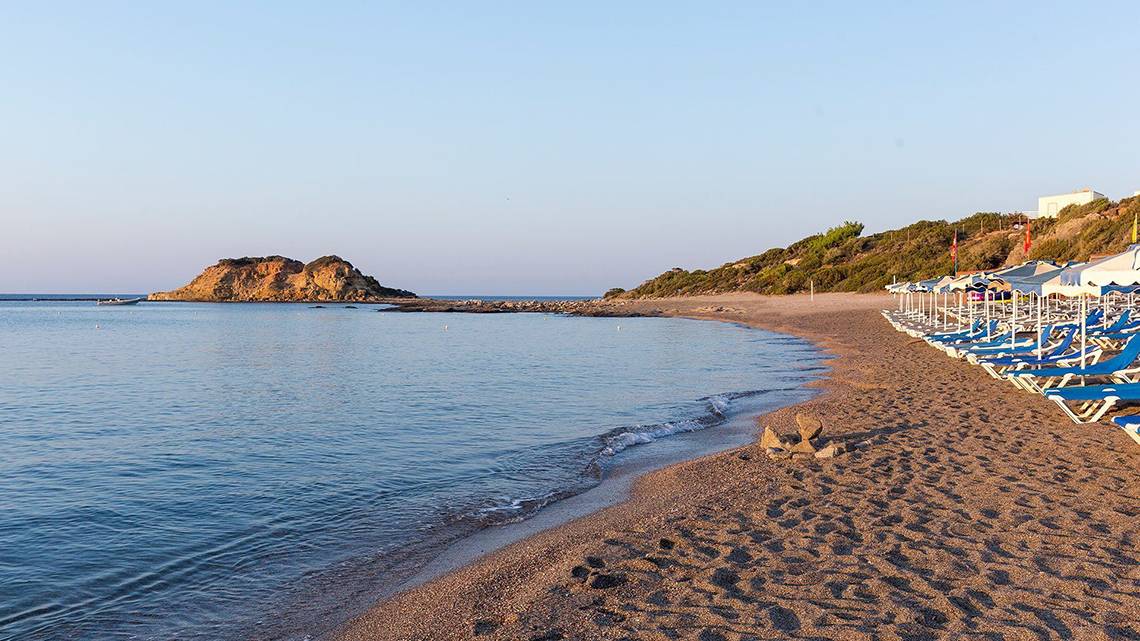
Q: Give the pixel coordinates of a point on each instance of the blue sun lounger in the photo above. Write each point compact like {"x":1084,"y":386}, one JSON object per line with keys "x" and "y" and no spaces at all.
{"x":993,"y":349}
{"x":1130,"y":424}
{"x":994,"y":345}
{"x":1120,"y":325}
{"x":977,"y":326}
{"x":1121,"y":330}
{"x":943,"y":340}
{"x":1093,"y":401}
{"x":1118,"y":368}
{"x":1054,"y":354}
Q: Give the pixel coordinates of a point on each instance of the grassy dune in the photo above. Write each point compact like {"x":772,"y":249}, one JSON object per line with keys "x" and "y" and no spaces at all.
{"x":843,"y":260}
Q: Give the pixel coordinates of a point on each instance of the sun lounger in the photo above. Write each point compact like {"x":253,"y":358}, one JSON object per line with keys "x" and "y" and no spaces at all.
{"x":1051,"y":354}
{"x":1119,"y":325}
{"x":983,"y":333}
{"x":992,"y":349}
{"x":1092,"y":401}
{"x":972,"y":330}
{"x":1118,"y":368}
{"x":925,"y":331}
{"x":1130,"y":424}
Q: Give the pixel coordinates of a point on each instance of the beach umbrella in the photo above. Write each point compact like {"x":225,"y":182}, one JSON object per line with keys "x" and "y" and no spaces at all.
{"x":1119,"y":273}
{"x":926,"y":307}
{"x":964,"y":282}
{"x":1119,"y":269}
{"x":1031,"y":280}
{"x":942,"y":286}
{"x":1108,"y":274}
{"x":1023,"y":270}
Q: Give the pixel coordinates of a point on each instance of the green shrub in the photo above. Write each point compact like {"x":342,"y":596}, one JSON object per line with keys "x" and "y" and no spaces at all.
{"x":841,"y":259}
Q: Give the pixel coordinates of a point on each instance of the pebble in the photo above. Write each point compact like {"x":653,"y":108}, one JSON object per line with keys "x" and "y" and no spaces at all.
{"x":830,"y":451}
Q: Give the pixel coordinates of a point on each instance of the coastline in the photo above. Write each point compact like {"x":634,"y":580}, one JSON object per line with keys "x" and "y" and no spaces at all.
{"x":351,"y":589}
{"x":880,"y":539}
{"x":616,"y":488}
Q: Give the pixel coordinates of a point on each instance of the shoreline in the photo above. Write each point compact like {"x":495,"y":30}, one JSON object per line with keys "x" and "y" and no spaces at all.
{"x":614,"y":489}
{"x":619,"y":488}
{"x":744,"y":527}
{"x":736,"y":428}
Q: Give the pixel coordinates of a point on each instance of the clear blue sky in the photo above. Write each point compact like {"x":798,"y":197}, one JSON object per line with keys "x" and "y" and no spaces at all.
{"x":528,"y":148}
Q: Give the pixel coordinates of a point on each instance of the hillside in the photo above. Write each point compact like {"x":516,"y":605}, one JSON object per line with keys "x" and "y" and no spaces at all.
{"x":280,"y":279}
{"x":843,"y":260}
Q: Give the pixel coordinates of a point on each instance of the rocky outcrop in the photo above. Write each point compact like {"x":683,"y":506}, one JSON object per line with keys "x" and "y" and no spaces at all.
{"x":280,"y":279}
{"x":591,"y":307}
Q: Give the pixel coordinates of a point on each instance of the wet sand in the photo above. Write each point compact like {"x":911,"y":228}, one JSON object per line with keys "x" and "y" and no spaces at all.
{"x":969,"y":510}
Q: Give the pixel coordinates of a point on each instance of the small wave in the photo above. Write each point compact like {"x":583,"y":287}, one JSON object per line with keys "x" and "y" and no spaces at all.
{"x":513,"y":510}
{"x":508,"y":509}
{"x":623,"y":438}
{"x":718,"y":404}
{"x":641,"y":435}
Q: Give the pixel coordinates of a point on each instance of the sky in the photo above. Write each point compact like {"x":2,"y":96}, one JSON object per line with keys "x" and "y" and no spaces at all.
{"x":533,"y":148}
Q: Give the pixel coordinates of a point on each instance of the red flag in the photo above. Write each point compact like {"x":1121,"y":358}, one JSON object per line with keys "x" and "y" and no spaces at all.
{"x":1028,"y":239}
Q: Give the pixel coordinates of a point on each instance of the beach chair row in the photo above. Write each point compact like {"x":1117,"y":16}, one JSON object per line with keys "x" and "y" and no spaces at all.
{"x":1088,"y":366}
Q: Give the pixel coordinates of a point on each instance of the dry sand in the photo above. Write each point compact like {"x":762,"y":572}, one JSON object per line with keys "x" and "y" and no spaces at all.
{"x":971,"y":511}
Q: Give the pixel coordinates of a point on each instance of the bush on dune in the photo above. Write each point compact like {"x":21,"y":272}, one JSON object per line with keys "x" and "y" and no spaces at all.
{"x":841,"y":259}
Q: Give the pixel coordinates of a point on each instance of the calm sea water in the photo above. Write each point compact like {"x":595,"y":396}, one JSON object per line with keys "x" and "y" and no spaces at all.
{"x":186,"y":471}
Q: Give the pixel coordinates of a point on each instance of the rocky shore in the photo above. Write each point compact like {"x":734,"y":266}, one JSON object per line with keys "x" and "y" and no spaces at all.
{"x":592,"y":307}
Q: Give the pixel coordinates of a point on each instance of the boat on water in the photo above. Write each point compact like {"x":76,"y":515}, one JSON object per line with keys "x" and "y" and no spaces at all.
{"x":118,"y":301}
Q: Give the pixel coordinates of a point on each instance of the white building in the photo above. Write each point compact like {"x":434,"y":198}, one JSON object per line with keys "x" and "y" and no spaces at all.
{"x":1048,"y":206}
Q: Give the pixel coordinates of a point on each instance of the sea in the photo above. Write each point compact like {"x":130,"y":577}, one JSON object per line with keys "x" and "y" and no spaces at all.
{"x":194,"y":472}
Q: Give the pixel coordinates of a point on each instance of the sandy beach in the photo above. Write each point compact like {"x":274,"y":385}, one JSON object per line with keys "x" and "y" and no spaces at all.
{"x":966,"y":510}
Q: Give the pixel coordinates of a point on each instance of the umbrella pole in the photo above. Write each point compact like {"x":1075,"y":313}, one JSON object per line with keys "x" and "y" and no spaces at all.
{"x":1084,"y":306}
{"x":987,"y":313}
{"x":1039,"y":336}
{"x":1013,"y":319}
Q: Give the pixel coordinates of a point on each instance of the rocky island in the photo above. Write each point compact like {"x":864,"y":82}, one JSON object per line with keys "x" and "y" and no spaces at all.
{"x":281,"y":279}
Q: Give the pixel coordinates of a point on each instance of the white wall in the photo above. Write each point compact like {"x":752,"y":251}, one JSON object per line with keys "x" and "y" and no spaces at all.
{"x":1048,"y":206}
